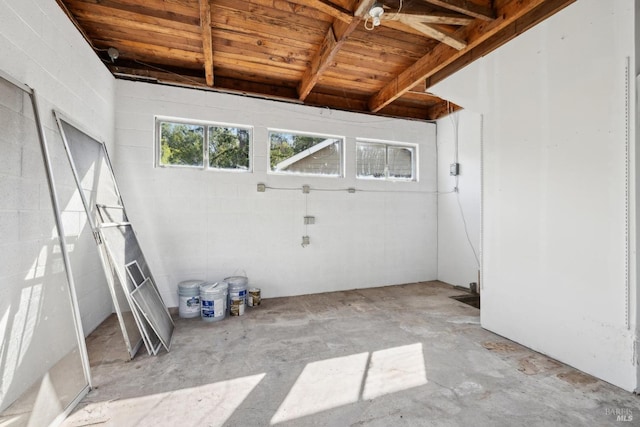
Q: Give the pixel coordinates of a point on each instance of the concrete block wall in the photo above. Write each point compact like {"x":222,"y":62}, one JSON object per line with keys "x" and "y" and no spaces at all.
{"x":559,"y":215}
{"x":196,"y":224}
{"x":40,"y":47}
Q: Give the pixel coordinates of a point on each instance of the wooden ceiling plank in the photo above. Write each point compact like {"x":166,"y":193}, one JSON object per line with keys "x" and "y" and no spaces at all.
{"x":332,"y":43}
{"x":275,"y":16}
{"x":261,"y":65}
{"x":466,"y":7}
{"x":234,"y":20}
{"x":292,"y":8}
{"x":135,"y":49}
{"x":110,"y":16}
{"x":435,"y":33}
{"x":327,"y":7}
{"x":185,"y":13}
{"x":294,"y":59}
{"x":442,"y":55}
{"x":207,"y":46}
{"x":104,"y":38}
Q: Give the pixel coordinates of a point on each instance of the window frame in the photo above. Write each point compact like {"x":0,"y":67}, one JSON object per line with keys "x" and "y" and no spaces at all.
{"x":205,"y":145}
{"x":342,"y":161}
{"x":395,"y":144}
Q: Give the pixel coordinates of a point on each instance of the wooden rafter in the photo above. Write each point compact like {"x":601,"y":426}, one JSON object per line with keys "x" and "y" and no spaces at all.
{"x":427,"y":15}
{"x":434,"y":33}
{"x":327,"y":7}
{"x":476,"y":35}
{"x":442,"y":109}
{"x":283,"y":49}
{"x":466,"y":7}
{"x":332,"y":43}
{"x":207,"y":46}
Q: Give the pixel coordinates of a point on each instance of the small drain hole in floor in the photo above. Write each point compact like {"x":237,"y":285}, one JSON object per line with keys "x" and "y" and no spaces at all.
{"x":472,"y":300}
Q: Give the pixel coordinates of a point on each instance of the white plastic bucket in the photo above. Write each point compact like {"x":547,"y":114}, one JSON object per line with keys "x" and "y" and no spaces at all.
{"x":189,"y":298}
{"x":224,"y":286}
{"x":237,"y":288}
{"x":212,"y":302}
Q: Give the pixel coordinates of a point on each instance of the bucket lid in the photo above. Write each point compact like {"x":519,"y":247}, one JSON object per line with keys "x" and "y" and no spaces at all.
{"x":215,"y":288}
{"x":237,"y":280}
{"x":190,"y":284}
{"x":254,"y":289}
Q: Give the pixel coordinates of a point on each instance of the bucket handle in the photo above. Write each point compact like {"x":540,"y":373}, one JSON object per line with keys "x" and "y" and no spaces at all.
{"x":235,"y":272}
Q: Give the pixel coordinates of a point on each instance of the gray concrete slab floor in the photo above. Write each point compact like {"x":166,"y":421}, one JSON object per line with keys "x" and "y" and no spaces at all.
{"x":405,"y":355}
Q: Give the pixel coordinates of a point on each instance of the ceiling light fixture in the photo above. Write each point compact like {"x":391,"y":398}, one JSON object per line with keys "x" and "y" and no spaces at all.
{"x":376,"y":12}
{"x":113,"y":53}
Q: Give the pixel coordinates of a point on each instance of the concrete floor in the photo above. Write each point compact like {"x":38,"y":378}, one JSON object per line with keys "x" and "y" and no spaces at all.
{"x":399,"y":355}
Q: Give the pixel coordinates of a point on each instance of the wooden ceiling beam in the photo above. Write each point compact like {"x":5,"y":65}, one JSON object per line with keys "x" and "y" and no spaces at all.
{"x":476,"y":34}
{"x":442,"y":109}
{"x":466,"y":7}
{"x":420,"y":87}
{"x":335,"y":37}
{"x":327,"y":7}
{"x":428,"y":16}
{"x":434,"y":33}
{"x":151,"y":74}
{"x":512,"y":31}
{"x":207,"y":45}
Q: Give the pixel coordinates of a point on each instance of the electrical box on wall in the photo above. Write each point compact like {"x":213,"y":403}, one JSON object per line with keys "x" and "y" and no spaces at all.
{"x":454,"y":169}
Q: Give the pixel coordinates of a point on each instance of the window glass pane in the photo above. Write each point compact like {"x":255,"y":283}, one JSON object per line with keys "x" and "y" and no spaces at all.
{"x":305,"y":154}
{"x":370,"y":160}
{"x":400,"y":162}
{"x":229,"y":148}
{"x":181,"y":144}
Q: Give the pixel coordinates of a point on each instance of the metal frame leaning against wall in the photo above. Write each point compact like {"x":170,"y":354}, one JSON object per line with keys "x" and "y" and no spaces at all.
{"x":63,"y":246}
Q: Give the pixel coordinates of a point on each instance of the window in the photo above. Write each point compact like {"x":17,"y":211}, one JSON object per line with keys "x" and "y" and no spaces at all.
{"x":228,"y":148}
{"x":306,"y":154}
{"x":182,"y":144}
{"x":378,"y":160}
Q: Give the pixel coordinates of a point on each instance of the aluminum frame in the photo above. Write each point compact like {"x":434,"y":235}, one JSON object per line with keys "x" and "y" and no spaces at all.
{"x":133,"y":343}
{"x":73,"y":297}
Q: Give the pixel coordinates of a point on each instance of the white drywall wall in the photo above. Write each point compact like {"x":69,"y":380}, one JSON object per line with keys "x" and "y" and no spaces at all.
{"x":40,"y":47}
{"x":195,"y":224}
{"x":554,"y":187}
{"x":459,"y":210}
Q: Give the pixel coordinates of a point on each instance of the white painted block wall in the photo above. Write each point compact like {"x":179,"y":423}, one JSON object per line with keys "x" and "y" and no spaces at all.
{"x":195,"y":224}
{"x":554,"y":192}
{"x":459,"y":211}
{"x":40,"y":47}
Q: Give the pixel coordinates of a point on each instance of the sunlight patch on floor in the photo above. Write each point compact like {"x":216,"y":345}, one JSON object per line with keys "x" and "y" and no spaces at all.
{"x":324,"y":385}
{"x":208,"y":405}
{"x":395,"y":369}
{"x":331,"y":383}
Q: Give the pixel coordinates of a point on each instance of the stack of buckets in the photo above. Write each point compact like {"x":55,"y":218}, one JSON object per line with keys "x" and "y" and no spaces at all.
{"x":212,"y":301}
